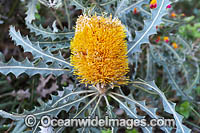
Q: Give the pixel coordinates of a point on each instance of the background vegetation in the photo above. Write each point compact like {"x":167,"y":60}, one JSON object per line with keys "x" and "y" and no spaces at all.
{"x":172,"y":59}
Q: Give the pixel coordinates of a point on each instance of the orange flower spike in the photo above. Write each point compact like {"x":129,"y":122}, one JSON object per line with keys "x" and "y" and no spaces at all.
{"x":99,"y":51}
{"x":153,"y":4}
{"x":158,"y":39}
{"x":166,"y":39}
{"x":135,"y":11}
{"x":174,"y":45}
{"x":173,"y":14}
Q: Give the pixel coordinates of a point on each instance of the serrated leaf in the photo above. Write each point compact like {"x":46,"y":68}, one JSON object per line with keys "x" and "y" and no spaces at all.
{"x":48,"y":32}
{"x":150,"y":111}
{"x":29,"y":68}
{"x":55,"y":29}
{"x":36,"y":51}
{"x":63,"y":102}
{"x":169,"y":107}
{"x":149,"y":27}
{"x":20,"y":127}
{"x":121,"y":4}
{"x":161,"y":61}
{"x":51,"y":3}
{"x":10,"y":116}
{"x":31,"y":11}
{"x":166,"y":20}
{"x":52,"y":45}
{"x":127,"y":8}
{"x":77,"y":3}
{"x":49,"y":129}
{"x":131,"y":113}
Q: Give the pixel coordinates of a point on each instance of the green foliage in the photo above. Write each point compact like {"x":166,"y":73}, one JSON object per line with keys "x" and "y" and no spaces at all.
{"x":106,"y":131}
{"x":184,"y":109}
{"x":132,"y":131}
{"x":198,"y":90}
{"x":190,"y":30}
{"x":37,"y":16}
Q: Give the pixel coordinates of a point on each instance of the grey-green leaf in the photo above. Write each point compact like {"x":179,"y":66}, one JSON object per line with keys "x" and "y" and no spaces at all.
{"x":77,"y":3}
{"x":17,"y":68}
{"x":31,"y":10}
{"x":36,"y":51}
{"x":149,"y":27}
{"x":48,"y":32}
{"x":169,"y":107}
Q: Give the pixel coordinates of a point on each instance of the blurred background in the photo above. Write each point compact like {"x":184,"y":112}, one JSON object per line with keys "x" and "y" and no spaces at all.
{"x":27,"y":92}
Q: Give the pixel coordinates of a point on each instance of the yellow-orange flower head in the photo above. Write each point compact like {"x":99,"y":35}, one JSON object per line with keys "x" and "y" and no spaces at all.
{"x":99,"y":50}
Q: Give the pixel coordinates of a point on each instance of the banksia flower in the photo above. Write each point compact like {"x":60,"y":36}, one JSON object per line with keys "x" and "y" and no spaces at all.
{"x":99,"y":51}
{"x":166,"y":39}
{"x":153,"y":4}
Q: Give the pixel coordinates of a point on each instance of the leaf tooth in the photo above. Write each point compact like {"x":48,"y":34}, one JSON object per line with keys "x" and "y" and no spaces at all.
{"x":142,"y":102}
{"x":170,"y":108}
{"x":149,"y":26}
{"x":35,"y":49}
{"x":48,"y":32}
{"x":153,"y":110}
{"x":31,"y":11}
